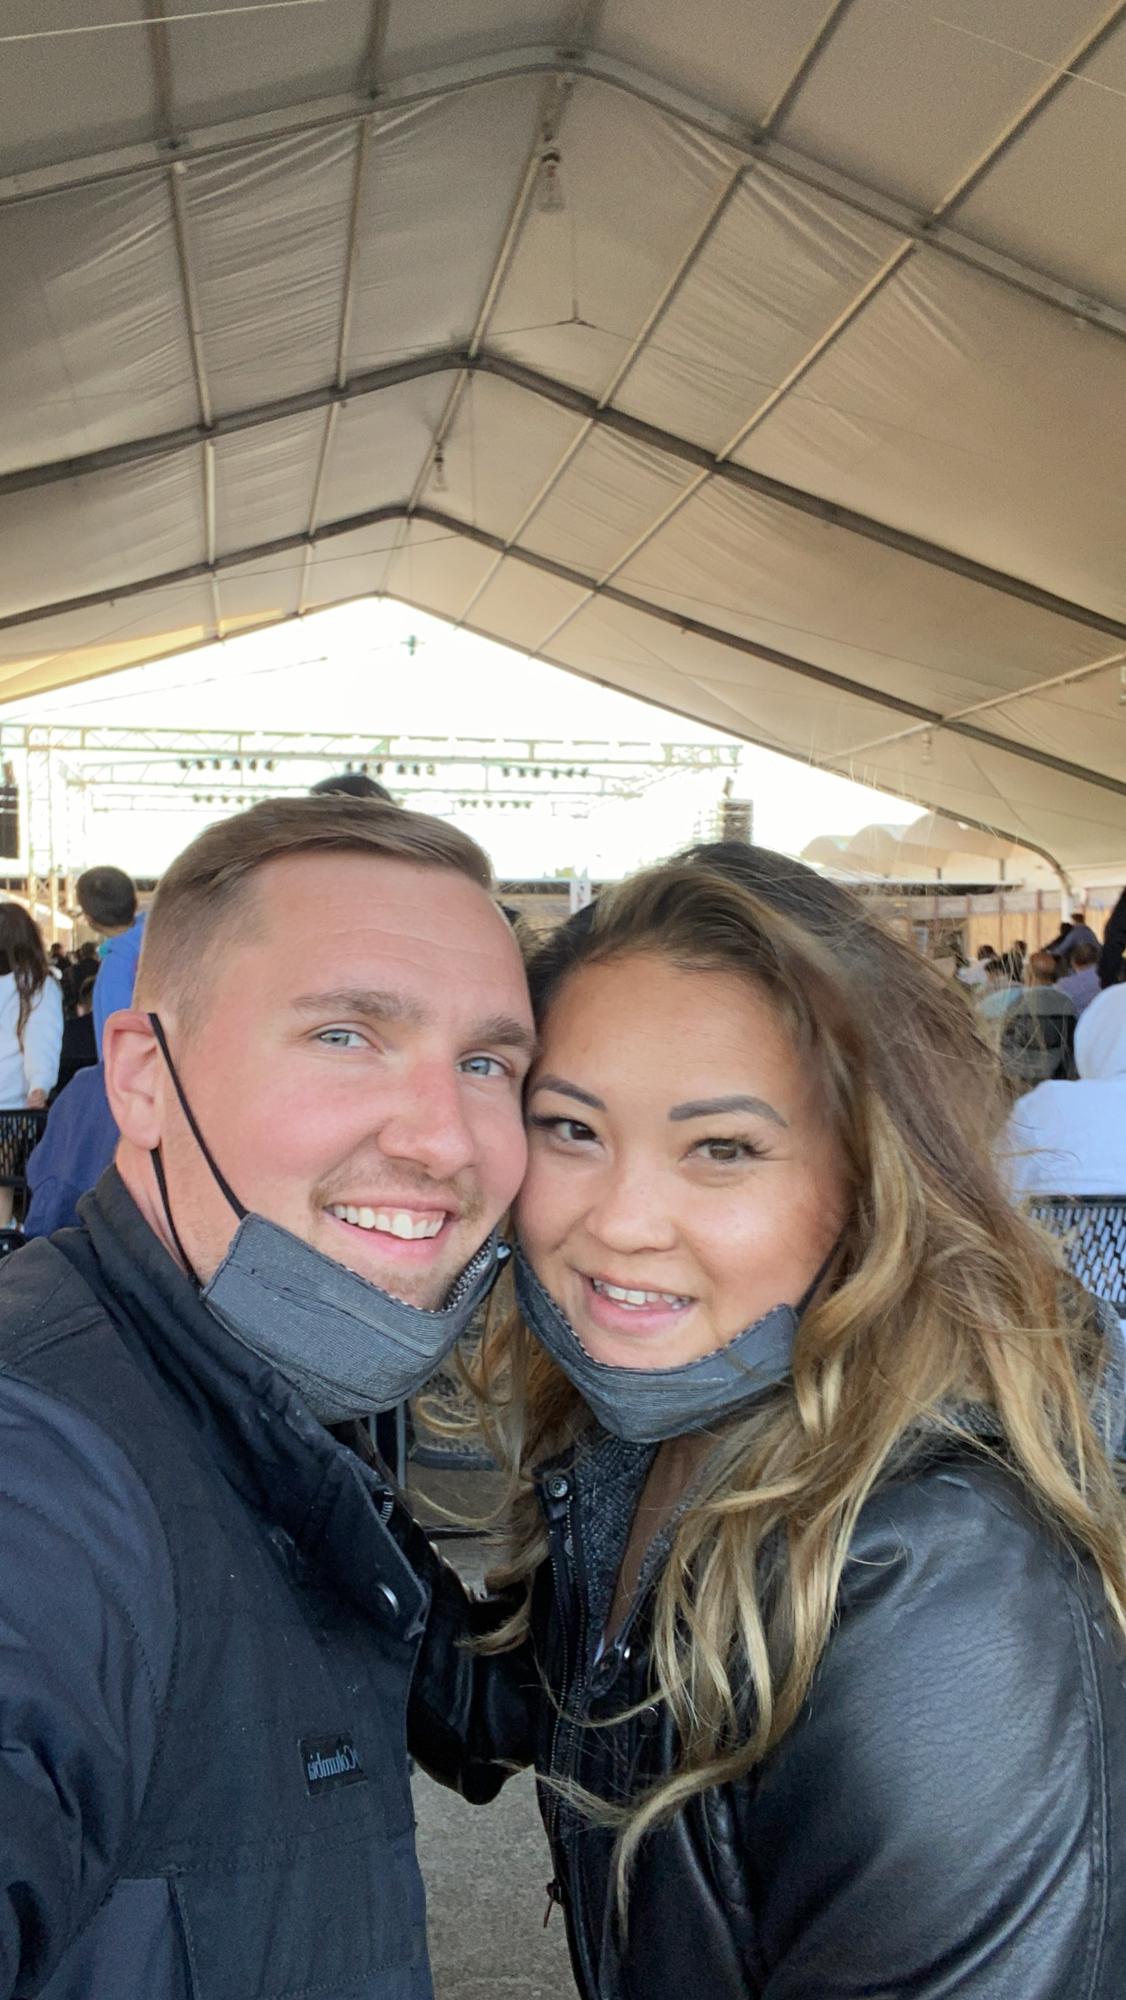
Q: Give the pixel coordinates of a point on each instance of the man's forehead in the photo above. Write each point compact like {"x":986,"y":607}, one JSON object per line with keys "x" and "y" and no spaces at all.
{"x":380,"y":924}
{"x":328,"y":890}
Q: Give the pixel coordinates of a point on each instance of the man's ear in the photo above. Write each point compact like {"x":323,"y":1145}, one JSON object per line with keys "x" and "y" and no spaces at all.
{"x":135,"y":1077}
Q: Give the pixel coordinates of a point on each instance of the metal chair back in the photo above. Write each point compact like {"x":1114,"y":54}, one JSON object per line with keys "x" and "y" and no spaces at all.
{"x":1093,"y":1230}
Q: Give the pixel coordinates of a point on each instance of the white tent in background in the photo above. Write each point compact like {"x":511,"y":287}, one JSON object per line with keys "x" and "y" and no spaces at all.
{"x":763,"y":358}
{"x":931,"y":846}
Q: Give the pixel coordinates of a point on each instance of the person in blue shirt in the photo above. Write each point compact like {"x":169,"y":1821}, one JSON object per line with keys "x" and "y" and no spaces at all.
{"x":108,"y":901}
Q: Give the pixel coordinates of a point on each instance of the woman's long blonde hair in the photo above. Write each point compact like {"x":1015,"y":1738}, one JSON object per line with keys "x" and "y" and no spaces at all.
{"x":946,"y":1312}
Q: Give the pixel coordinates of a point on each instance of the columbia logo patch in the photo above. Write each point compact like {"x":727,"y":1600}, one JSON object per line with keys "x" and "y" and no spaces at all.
{"x":329,"y":1761}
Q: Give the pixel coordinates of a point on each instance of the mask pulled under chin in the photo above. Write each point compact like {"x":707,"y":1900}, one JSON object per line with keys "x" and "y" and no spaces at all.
{"x":347,"y":1347}
{"x":648,"y":1405}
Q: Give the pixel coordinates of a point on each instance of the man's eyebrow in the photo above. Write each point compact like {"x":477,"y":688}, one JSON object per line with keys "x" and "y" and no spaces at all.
{"x":496,"y":1031}
{"x":565,"y":1089}
{"x":503,"y":1031}
{"x":373,"y":1005}
{"x":712,"y":1107}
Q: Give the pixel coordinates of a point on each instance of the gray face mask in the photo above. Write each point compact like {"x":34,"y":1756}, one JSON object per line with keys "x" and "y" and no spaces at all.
{"x":648,"y":1405}
{"x":347,"y":1347}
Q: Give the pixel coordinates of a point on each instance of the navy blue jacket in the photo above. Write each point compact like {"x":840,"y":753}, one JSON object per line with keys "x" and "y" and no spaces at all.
{"x":78,"y":1144}
{"x":208,"y":1628}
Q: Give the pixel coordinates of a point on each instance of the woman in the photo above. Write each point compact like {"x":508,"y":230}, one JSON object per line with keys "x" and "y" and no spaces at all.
{"x":31,"y":1027}
{"x":821,"y":1550}
{"x":31,"y":1014}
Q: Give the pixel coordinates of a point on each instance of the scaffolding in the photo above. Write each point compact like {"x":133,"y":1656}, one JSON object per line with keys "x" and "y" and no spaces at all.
{"x":70,"y":773}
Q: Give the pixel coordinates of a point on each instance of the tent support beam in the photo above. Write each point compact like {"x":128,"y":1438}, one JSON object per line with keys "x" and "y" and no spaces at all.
{"x":319,"y":114}
{"x":588,"y":409}
{"x":694,"y":627}
{"x":551,"y":110}
{"x":670,"y":291}
{"x":836,"y":768}
{"x":347,"y":302}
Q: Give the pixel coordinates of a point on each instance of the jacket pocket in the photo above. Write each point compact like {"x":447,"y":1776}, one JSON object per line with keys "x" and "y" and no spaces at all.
{"x":134,"y":1945}
{"x":322,"y":1916}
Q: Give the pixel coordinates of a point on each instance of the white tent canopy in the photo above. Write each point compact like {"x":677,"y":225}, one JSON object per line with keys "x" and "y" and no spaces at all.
{"x":932,"y":845}
{"x":763,"y":358}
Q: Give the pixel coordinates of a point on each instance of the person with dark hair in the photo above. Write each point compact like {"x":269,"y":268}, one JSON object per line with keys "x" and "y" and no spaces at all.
{"x":108,"y":901}
{"x":80,"y":1048}
{"x":1038,"y":1030}
{"x":1114,"y":945}
{"x":31,"y":1013}
{"x":1081,"y":984}
{"x":1076,"y":930}
{"x":353,"y":785}
{"x":817,"y":1538}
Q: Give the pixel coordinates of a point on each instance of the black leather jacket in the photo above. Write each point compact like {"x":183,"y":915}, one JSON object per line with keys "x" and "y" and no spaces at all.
{"x":947,"y":1820}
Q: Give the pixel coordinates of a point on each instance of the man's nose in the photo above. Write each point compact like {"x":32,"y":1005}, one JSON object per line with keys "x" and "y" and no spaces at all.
{"x":632,"y":1209}
{"x":427,"y":1124}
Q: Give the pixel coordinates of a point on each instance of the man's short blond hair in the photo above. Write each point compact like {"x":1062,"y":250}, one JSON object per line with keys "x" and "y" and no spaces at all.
{"x":210,"y":885}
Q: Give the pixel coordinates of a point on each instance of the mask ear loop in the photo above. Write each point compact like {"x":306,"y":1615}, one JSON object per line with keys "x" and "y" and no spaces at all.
{"x":157,"y":1157}
{"x":162,"y":1184}
{"x":224,"y":1185}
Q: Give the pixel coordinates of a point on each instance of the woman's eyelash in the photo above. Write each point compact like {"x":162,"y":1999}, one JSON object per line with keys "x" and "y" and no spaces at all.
{"x":737,"y":1143}
{"x":554,"y":1122}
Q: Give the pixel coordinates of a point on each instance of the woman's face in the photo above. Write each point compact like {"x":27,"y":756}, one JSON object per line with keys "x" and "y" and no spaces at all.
{"x":682,"y":1177}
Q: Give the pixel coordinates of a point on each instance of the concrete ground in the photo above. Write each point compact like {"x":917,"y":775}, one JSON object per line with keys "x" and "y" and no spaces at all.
{"x":486,"y":1867}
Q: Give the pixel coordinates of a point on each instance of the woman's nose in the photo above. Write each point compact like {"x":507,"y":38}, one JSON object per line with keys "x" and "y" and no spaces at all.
{"x":632,"y":1210}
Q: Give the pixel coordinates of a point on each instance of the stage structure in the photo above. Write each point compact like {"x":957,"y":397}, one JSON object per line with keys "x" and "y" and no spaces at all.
{"x":70,"y":774}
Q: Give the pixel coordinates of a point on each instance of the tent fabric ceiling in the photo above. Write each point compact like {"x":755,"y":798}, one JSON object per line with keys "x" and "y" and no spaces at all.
{"x":764,"y":360}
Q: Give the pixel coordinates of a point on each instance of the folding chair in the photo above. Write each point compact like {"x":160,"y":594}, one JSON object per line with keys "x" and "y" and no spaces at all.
{"x":20,"y":1133}
{"x":1093,"y":1229}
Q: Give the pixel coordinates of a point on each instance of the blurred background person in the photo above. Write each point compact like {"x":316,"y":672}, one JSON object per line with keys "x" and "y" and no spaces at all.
{"x":31,"y":1023}
{"x":1038,"y":1029}
{"x":108,"y":901}
{"x":79,"y":1049}
{"x":1082,"y":984}
{"x":1069,"y":1138}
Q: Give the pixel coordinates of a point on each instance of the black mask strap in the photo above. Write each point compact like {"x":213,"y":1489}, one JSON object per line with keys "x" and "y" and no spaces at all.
{"x":221,"y":1182}
{"x":162,"y":1184}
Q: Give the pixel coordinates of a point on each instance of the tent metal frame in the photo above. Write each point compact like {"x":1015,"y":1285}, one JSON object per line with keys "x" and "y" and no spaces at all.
{"x":593,"y":587}
{"x":207,"y":141}
{"x":593,"y":414}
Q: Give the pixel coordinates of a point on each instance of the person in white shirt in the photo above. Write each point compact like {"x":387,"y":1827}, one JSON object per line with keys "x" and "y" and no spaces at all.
{"x":31,"y":1023}
{"x":1070,"y":1138}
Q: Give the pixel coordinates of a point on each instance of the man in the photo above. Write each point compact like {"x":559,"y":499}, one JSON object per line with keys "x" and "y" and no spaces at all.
{"x":1081,"y":984}
{"x":1038,"y":1029}
{"x":209,"y":1624}
{"x":108,"y":901}
{"x":1075,"y":931}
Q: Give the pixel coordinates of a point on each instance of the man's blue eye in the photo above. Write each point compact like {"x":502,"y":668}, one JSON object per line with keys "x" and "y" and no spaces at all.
{"x":341,"y":1038}
{"x":484,"y":1066}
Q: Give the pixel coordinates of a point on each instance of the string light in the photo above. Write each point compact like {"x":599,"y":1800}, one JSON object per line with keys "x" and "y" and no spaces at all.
{"x":549,"y":191}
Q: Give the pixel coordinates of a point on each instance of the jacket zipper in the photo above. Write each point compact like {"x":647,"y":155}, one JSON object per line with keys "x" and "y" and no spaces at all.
{"x":560,"y":1741}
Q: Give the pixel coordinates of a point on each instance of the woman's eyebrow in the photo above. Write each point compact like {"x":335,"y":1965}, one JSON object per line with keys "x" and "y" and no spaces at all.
{"x":711,"y":1107}
{"x":566,"y":1089}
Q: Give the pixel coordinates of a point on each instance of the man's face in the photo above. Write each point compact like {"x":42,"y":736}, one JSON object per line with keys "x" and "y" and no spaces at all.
{"x":357,"y":1072}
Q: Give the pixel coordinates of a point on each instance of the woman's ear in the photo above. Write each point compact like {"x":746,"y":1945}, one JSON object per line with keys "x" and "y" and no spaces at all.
{"x":134,"y":1077}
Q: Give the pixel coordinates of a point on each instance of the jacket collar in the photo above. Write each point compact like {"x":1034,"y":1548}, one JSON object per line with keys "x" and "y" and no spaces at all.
{"x":284,"y":1464}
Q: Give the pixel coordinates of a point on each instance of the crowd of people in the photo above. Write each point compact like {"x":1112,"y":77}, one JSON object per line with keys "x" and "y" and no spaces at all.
{"x":809,"y":1610}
